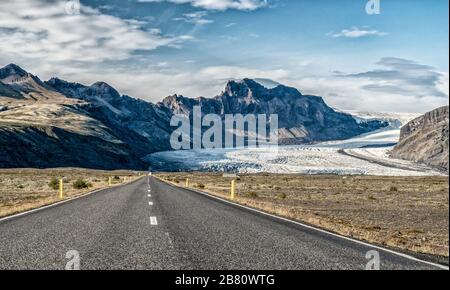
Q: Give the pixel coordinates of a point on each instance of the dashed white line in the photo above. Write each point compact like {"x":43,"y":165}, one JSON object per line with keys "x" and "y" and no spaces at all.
{"x":153,"y":221}
{"x":150,"y":203}
{"x":149,"y":195}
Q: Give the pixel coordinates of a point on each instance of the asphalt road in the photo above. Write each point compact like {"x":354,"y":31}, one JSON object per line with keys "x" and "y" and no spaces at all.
{"x":416,"y":167}
{"x":172,"y":228}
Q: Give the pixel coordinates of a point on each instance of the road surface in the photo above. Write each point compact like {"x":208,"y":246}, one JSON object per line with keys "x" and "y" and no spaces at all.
{"x":128,"y":227}
{"x":392,"y":164}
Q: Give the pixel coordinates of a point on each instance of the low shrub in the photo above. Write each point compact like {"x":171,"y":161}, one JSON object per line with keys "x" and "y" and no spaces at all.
{"x":253,"y":194}
{"x":54,"y":183}
{"x":81,"y":184}
{"x":393,"y":189}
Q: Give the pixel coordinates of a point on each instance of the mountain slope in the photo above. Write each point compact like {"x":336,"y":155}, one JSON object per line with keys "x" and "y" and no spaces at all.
{"x":8,"y":92}
{"x":142,"y":125}
{"x":426,"y":139}
{"x":40,"y":127}
{"x":53,"y":135}
{"x":18,"y":84}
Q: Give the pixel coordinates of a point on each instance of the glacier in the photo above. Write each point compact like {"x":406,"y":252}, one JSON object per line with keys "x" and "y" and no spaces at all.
{"x":366,"y":154}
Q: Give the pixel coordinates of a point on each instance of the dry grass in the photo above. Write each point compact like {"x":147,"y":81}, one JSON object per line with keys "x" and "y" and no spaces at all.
{"x":24,"y":189}
{"x":410,"y":213}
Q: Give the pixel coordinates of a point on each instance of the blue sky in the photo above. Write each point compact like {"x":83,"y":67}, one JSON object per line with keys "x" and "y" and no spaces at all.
{"x":394,"y":61}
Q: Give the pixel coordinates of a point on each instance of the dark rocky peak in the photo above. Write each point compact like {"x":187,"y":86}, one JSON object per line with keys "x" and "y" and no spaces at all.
{"x":251,"y":89}
{"x":60,"y":84}
{"x":103,"y":90}
{"x":69,"y":89}
{"x":172,"y":99}
{"x":97,"y":93}
{"x":12,"y":72}
{"x":242,"y":88}
{"x":179,"y":104}
{"x":21,"y":80}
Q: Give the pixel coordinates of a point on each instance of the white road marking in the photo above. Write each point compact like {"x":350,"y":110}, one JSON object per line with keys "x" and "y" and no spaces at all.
{"x":149,"y":190}
{"x":149,"y":195}
{"x":150,"y":203}
{"x":153,"y":221}
{"x":314,"y":228}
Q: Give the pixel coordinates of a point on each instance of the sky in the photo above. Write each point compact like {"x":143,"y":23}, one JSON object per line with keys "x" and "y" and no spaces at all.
{"x":393,"y":61}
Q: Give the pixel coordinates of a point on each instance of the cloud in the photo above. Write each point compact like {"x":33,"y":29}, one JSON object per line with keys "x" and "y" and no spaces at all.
{"x":38,"y":29}
{"x":404,"y":77}
{"x":342,"y":90}
{"x":218,"y":4}
{"x":356,"y":32}
{"x":400,"y":85}
{"x":154,"y":85}
{"x":197,"y":18}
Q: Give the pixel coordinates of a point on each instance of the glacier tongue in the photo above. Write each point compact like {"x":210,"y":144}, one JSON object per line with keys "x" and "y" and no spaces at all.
{"x":323,"y":158}
{"x":287,"y":159}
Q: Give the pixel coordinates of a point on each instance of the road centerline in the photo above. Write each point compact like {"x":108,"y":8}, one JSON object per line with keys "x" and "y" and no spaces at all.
{"x":153,"y":221}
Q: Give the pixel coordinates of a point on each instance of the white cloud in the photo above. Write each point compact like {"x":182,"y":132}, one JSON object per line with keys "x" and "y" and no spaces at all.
{"x":400,"y":86}
{"x":230,"y":25}
{"x":218,"y":4}
{"x":342,"y":91}
{"x":403,"y":77}
{"x":42,"y":38}
{"x":348,"y":94}
{"x":38,"y":29}
{"x":155,"y":85}
{"x":356,"y":32}
{"x":197,"y":18}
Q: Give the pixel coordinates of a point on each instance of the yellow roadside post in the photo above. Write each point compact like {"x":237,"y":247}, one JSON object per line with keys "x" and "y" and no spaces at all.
{"x":233,"y":188}
{"x":109,"y":181}
{"x":233,"y":177}
{"x":61,"y":192}
{"x":187,"y":182}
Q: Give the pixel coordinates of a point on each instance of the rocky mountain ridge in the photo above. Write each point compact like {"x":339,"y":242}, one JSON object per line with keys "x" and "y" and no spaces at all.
{"x":37,"y":120}
{"x":302,"y":118}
